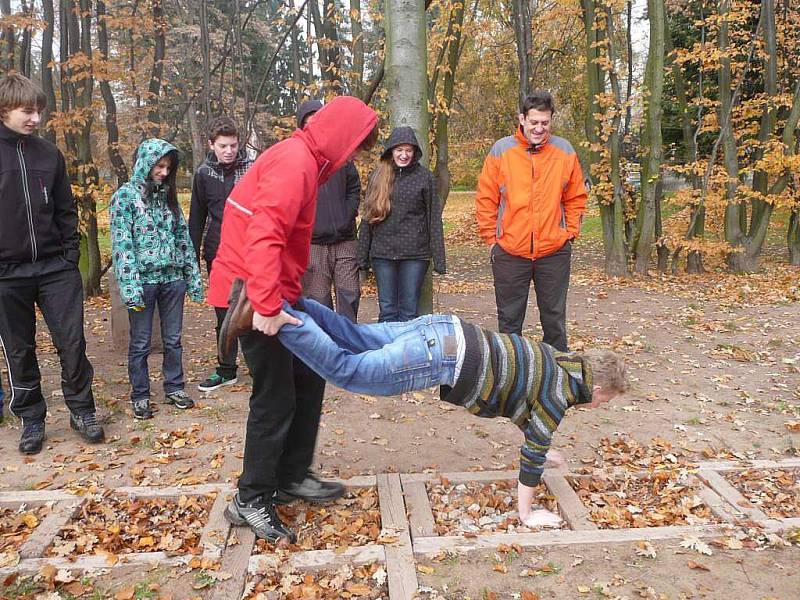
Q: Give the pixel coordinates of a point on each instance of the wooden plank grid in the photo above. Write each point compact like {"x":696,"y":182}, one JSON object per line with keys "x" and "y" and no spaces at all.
{"x":405,"y":512}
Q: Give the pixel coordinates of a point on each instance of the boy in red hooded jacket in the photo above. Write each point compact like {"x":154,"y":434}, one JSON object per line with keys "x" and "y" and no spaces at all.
{"x":265,"y":240}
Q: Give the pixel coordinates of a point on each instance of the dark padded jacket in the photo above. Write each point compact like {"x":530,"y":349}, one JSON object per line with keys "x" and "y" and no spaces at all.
{"x":337,"y":199}
{"x":413,"y":228}
{"x":211,"y":186}
{"x":39,"y":218}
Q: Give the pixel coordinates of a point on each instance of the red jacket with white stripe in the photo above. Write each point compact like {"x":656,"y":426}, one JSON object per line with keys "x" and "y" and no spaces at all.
{"x":269,"y":215}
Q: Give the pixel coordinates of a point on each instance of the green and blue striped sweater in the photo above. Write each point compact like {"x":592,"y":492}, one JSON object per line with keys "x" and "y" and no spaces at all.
{"x":533,"y":384}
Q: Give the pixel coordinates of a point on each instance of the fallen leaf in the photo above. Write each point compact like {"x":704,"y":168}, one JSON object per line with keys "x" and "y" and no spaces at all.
{"x":9,"y":558}
{"x":125,"y":594}
{"x":500,"y":568}
{"x":696,"y":544}
{"x":696,"y":565}
{"x":425,"y":569}
{"x":584,"y":589}
{"x":526,"y":595}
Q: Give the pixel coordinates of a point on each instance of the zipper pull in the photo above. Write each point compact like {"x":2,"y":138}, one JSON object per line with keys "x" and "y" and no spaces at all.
{"x":44,"y":190}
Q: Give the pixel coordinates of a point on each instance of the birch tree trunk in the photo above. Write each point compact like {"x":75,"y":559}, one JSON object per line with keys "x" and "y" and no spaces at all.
{"x":406,"y":82}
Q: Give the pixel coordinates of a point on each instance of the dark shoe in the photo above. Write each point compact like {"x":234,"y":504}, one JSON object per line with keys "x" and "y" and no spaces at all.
{"x":216,"y":381}
{"x":239,"y":318}
{"x":180,"y":399}
{"x":311,"y":489}
{"x":32,"y":438}
{"x":88,"y":427}
{"x":260,"y":516}
{"x":141,"y":409}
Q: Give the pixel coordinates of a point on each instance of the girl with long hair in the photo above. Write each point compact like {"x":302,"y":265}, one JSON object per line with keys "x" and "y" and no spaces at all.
{"x":156,"y":266}
{"x":401,"y":227}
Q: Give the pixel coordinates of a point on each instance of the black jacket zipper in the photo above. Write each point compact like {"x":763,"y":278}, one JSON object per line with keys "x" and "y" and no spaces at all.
{"x":27,"y":192}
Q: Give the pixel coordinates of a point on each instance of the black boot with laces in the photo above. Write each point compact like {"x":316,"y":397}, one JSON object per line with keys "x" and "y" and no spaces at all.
{"x":260,"y":516}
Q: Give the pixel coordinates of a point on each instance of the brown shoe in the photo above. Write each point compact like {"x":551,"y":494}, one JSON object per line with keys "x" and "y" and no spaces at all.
{"x":239,"y":318}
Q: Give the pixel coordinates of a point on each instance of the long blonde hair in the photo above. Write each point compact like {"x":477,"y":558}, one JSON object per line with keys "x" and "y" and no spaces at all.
{"x":377,"y":203}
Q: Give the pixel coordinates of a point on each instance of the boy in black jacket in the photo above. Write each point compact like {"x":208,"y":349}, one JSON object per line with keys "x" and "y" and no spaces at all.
{"x":39,"y":266}
{"x":214,"y":179}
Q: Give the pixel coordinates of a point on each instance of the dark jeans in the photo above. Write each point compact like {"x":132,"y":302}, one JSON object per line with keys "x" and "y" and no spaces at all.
{"x":282,"y":425}
{"x":550,"y":275}
{"x":168,"y":297}
{"x":399,"y":287}
{"x":59,"y":296}
{"x":226,"y":364}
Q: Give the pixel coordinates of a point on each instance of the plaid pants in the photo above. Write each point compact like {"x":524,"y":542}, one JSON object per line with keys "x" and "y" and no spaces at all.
{"x":334,"y":265}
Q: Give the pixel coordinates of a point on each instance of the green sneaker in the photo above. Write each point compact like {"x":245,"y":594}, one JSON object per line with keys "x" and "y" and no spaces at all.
{"x":215,"y":381}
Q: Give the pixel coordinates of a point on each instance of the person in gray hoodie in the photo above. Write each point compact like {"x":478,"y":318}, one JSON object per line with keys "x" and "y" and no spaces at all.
{"x":333,"y":241}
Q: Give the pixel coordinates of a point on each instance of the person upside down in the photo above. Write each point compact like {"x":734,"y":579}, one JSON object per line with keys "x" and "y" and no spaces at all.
{"x":490,"y":374}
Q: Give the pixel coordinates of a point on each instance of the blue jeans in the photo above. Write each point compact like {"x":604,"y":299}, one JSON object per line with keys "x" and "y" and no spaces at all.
{"x":399,"y":287}
{"x":169,"y":299}
{"x":381,"y":359}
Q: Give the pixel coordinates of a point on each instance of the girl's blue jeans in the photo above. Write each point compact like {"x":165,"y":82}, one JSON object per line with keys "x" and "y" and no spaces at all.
{"x":381,"y":359}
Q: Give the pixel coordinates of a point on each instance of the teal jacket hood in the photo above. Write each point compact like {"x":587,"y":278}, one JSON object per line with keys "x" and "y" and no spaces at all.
{"x":147,"y":155}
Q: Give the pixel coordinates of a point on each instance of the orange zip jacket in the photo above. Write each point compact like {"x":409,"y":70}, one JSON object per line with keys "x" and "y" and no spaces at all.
{"x":530,"y":201}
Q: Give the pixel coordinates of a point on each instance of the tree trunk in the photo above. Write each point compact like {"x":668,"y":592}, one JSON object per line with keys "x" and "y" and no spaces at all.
{"x":629,"y":48}
{"x":441,"y":173}
{"x":7,"y":39}
{"x":205,"y":55}
{"x":357,"y":88}
{"x":524,"y":34}
{"x":25,"y":46}
{"x":793,"y":238}
{"x":48,"y":13}
{"x":157,"y":72}
{"x":407,"y":84}
{"x":196,"y":135}
{"x":112,"y":130}
{"x":652,"y":142}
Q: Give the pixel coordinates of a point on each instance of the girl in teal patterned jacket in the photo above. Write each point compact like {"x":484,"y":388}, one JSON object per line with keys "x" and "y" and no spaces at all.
{"x":155,"y":265}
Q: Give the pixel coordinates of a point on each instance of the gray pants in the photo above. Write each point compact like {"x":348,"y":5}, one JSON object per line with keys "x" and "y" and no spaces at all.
{"x":550,"y":276}
{"x":334,"y":265}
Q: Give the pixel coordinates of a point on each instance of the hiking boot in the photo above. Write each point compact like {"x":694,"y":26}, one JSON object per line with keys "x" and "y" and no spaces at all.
{"x":260,"y":516}
{"x":141,"y":409}
{"x":180,"y":399}
{"x":311,"y":489}
{"x":32,"y":438}
{"x":88,"y":427}
{"x":215,"y":381}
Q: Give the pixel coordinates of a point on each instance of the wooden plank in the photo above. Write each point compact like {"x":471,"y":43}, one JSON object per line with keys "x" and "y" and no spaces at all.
{"x":93,"y":563}
{"x":415,"y":477}
{"x":236,"y":562}
{"x":43,"y":535}
{"x":480,"y":476}
{"x":569,"y":504}
{"x":359,"y":481}
{"x":318,"y":560}
{"x":731,"y":495}
{"x":400,"y":565}
{"x":175,"y":491}
{"x":420,"y":515}
{"x":733,"y":465}
{"x":15,"y":498}
{"x":564,"y":537}
{"x":718,"y":506}
{"x":212,"y":541}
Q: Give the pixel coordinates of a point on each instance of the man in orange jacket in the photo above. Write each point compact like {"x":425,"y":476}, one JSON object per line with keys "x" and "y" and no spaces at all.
{"x":529,"y":206}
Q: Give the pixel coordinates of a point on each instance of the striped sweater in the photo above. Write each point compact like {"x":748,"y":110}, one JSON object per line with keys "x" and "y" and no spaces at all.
{"x":533,"y":384}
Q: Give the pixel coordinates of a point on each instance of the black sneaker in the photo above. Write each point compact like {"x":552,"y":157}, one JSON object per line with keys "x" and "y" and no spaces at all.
{"x":88,"y":427}
{"x":215,"y":381}
{"x":180,"y":399}
{"x":32,"y":438}
{"x":311,"y":489}
{"x":141,"y":409}
{"x":260,"y":516}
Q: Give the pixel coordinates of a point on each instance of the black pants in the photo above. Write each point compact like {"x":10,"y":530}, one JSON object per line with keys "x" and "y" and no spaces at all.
{"x":226,"y":364}
{"x":282,"y":425}
{"x":59,"y":296}
{"x":550,"y":275}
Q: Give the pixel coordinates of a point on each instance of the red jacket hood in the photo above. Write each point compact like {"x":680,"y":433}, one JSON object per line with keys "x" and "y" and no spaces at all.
{"x":331,"y":144}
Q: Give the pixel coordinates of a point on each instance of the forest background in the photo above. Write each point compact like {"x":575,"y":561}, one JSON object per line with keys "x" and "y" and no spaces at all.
{"x":689,"y":148}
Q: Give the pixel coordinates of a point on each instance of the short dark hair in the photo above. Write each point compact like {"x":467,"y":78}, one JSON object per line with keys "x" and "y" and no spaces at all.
{"x":17,"y":91}
{"x":222,"y":126}
{"x":539,"y":100}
